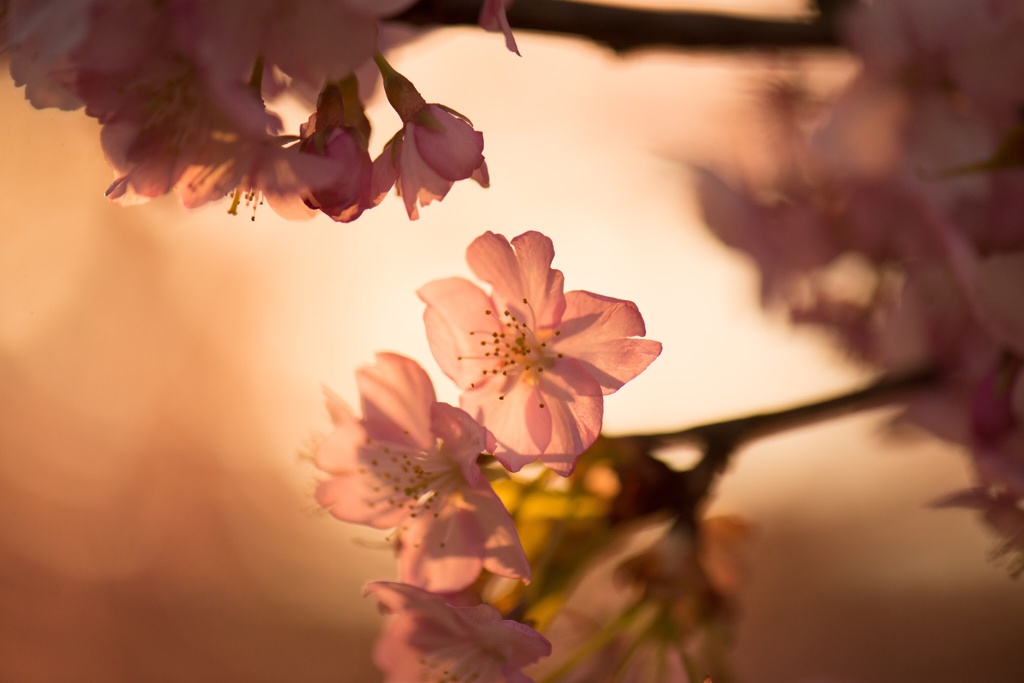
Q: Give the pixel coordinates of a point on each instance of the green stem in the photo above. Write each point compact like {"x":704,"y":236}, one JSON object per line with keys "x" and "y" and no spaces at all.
{"x":595,"y":643}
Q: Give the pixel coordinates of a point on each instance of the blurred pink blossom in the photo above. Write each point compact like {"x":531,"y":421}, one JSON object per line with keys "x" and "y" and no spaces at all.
{"x":882,"y":222}
{"x":534,"y":362}
{"x":430,"y":639}
{"x":180,"y":89}
{"x":410,"y":463}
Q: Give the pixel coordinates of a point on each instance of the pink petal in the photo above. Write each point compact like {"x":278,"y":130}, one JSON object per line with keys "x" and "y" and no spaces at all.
{"x":522,"y":273}
{"x":464,"y":439}
{"x":518,"y":644}
{"x":555,"y":420}
{"x":305,"y":43}
{"x":449,"y":145}
{"x":204,"y":182}
{"x":337,"y":453}
{"x":397,"y":395}
{"x":339,"y":411}
{"x":596,"y":331}
{"x":574,"y":398}
{"x":441,"y":554}
{"x":493,"y":18}
{"x":521,"y":428}
{"x":481,"y":176}
{"x":418,"y":183}
{"x":465,"y":640}
{"x":393,"y":652}
{"x":353,"y":493}
{"x":385,"y":170}
{"x":503,"y":554}
{"x":456,"y":322}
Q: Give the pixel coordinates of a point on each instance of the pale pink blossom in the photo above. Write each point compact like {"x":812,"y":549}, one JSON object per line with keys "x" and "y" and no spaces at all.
{"x":410,"y":463}
{"x":427,"y":639}
{"x":435,"y":148}
{"x":534,"y":363}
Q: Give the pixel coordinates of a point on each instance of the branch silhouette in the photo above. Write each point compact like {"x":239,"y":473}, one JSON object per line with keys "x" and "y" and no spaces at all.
{"x":624,"y":29}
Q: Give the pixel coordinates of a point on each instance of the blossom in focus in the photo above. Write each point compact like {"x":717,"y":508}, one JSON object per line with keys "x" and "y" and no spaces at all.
{"x":428,"y":639}
{"x":410,"y":463}
{"x":435,"y":148}
{"x":534,"y":363}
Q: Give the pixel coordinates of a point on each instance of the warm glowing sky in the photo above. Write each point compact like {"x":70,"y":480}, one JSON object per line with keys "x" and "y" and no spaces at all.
{"x":159,"y":370}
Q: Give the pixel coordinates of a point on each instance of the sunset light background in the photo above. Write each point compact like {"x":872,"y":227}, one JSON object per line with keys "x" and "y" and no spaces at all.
{"x":161,"y":375}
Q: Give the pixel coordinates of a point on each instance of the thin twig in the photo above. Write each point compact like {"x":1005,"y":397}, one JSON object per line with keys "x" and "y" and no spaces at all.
{"x":624,"y":29}
{"x":735,"y":431}
{"x":650,"y":486}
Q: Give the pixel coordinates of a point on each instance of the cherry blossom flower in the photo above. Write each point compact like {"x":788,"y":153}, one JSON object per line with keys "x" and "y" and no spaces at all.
{"x":436,"y":147}
{"x":166,"y":81}
{"x":534,"y":363}
{"x":428,"y":639}
{"x":346,"y":198}
{"x":173,"y":129}
{"x":340,"y":131}
{"x":410,"y":463}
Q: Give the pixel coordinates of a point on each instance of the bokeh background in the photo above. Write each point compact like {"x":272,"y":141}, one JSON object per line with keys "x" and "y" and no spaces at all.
{"x":161,"y":373}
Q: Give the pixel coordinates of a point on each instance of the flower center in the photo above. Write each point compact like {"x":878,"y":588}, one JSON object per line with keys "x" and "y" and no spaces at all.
{"x":411,"y":482}
{"x":514,"y":350}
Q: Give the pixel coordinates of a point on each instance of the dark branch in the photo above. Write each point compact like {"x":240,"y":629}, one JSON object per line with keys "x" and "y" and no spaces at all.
{"x":623,"y":29}
{"x":728,"y":434}
{"x":649,"y":486}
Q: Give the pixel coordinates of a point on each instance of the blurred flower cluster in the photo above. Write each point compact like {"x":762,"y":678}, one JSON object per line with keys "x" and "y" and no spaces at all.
{"x":180,"y":89}
{"x":534,"y":363}
{"x":893,"y":217}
